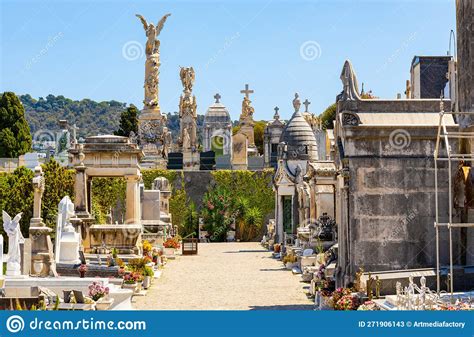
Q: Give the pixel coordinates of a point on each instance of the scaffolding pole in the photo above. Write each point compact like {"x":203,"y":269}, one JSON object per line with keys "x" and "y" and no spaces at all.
{"x":444,"y":136}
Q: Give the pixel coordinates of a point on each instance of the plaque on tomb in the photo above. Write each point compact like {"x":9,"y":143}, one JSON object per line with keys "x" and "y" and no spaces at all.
{"x":175,"y":161}
{"x":82,"y":257}
{"x":325,"y":228}
{"x":25,"y":256}
{"x":207,"y":161}
{"x":223,"y":162}
{"x":239,"y":148}
{"x":255,"y":163}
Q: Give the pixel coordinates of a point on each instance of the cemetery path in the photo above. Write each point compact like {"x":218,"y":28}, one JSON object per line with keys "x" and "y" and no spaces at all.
{"x":226,"y":276}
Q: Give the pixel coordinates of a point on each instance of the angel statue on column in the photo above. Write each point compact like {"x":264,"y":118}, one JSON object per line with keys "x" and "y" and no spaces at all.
{"x":12,"y":228}
{"x":152,"y":32}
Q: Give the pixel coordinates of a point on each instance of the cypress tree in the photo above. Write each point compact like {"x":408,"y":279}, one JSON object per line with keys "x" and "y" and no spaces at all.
{"x":128,"y":122}
{"x":15,"y":137}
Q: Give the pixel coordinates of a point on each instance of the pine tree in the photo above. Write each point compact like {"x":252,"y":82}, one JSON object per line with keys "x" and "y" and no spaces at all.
{"x":128,"y":122}
{"x":15,"y":137}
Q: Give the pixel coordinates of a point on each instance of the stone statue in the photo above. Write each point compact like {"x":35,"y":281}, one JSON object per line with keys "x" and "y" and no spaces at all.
{"x":12,"y":229}
{"x":152,"y":63}
{"x":296,"y":102}
{"x":133,"y":138}
{"x":349,"y":80}
{"x":187,"y":105}
{"x":166,"y":140}
{"x":187,"y":76}
{"x":247,"y":109}
{"x":152,"y":33}
{"x":65,"y":213}
{"x":186,"y":140}
{"x":67,"y":240}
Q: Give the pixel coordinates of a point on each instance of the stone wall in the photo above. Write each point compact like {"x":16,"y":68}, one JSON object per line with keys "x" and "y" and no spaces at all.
{"x":391,"y":199}
{"x":465,"y":49}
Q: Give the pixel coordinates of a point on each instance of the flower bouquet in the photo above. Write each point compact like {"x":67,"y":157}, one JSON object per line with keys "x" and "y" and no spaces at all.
{"x":97,"y":291}
{"x":347,"y":302}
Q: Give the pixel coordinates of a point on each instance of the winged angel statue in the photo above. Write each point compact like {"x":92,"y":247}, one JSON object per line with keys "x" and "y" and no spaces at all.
{"x":12,"y":228}
{"x":152,"y":33}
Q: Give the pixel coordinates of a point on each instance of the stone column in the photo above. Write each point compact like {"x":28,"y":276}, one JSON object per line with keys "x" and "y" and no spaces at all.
{"x":279,"y":219}
{"x":42,"y":260}
{"x":80,"y":191}
{"x":132,"y":199}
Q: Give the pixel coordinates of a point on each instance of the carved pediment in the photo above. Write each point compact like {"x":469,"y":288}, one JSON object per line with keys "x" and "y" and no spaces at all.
{"x":350,"y":119}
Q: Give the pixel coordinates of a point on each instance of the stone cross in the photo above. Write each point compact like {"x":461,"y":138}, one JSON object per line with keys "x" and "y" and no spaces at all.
{"x":217,"y":97}
{"x":38,"y":188}
{"x":247,"y":91}
{"x":306,"y":104}
{"x":276,"y":116}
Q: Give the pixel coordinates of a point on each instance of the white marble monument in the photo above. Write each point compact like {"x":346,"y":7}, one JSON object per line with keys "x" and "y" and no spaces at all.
{"x":67,"y":239}
{"x":12,"y":229}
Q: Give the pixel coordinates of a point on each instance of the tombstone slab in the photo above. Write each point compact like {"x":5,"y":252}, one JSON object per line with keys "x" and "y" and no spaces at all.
{"x":239,"y":147}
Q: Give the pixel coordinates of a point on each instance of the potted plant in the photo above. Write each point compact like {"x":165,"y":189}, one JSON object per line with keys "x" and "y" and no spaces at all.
{"x":148,"y":274}
{"x":290,"y":261}
{"x":147,"y":248}
{"x":130,"y":281}
{"x":82,"y":270}
{"x":100,"y":295}
{"x":170,"y":245}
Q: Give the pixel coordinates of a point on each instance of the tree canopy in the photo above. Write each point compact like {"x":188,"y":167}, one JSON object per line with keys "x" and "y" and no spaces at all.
{"x":128,"y":122}
{"x":15,"y":137}
{"x":328,"y":116}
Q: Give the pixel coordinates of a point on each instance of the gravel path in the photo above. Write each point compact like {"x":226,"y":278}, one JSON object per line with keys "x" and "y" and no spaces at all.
{"x":226,"y":276}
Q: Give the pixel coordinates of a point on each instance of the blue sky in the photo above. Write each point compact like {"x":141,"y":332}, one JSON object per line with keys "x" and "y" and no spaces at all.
{"x":84,"y":49}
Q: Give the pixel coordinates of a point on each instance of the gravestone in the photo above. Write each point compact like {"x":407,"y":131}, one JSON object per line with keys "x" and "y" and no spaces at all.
{"x":255,"y":163}
{"x":207,"y":160}
{"x":175,"y":161}
{"x":223,"y":162}
{"x":239,"y":147}
{"x":82,"y":257}
{"x":26,"y":257}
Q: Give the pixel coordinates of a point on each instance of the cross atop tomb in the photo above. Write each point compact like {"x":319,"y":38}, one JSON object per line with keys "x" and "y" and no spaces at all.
{"x":277,"y":115}
{"x":306,"y":104}
{"x":217,"y":97}
{"x":247,"y":91}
